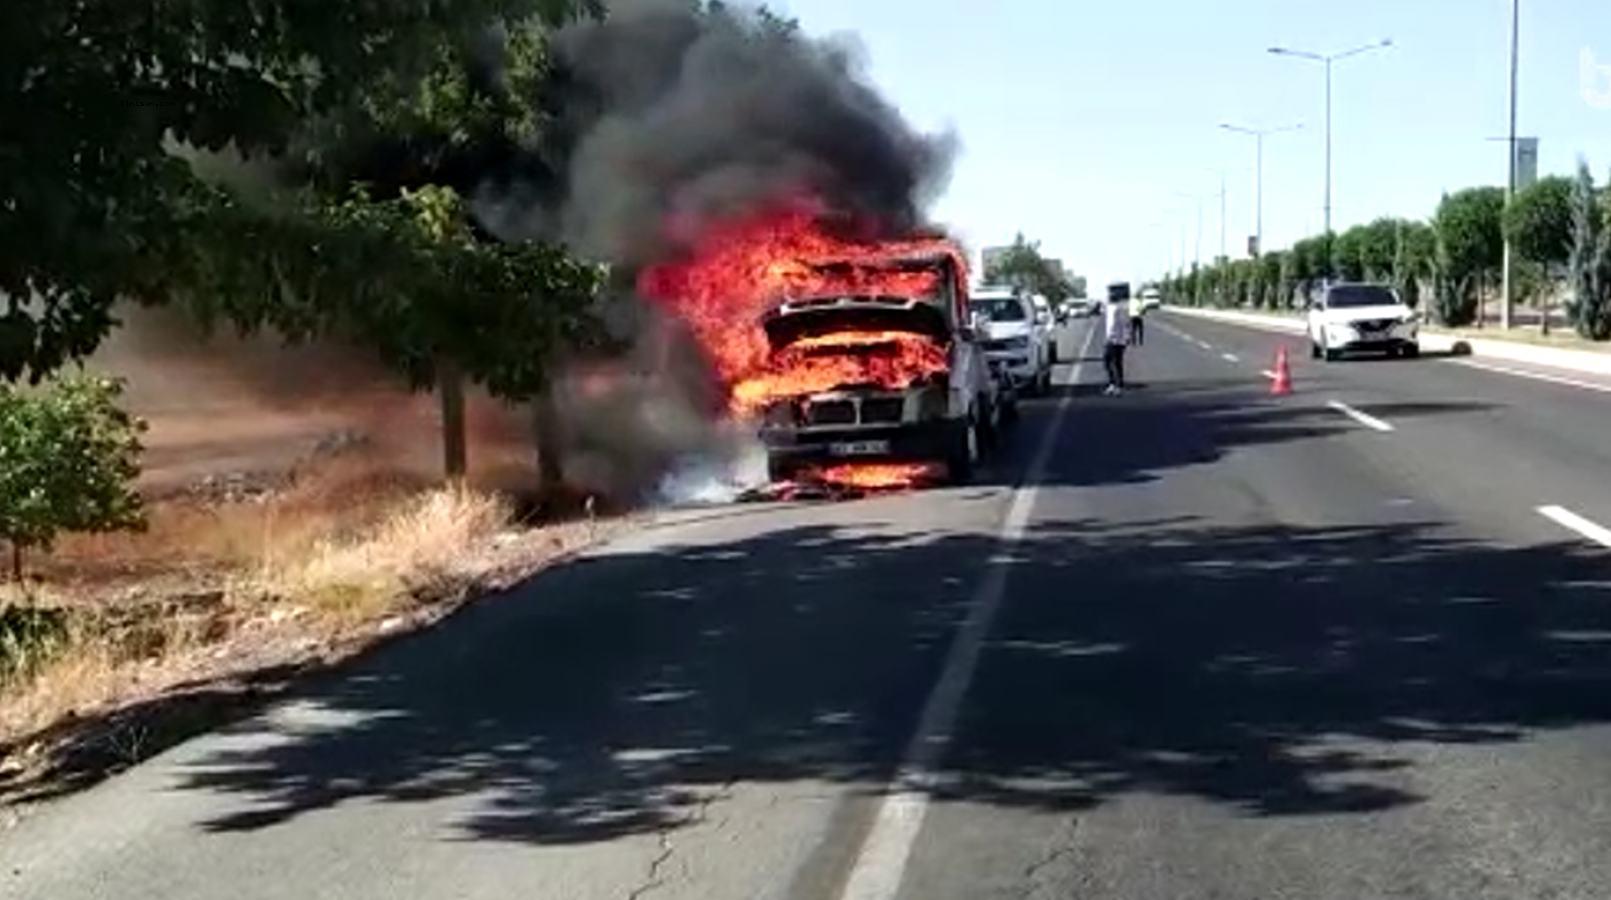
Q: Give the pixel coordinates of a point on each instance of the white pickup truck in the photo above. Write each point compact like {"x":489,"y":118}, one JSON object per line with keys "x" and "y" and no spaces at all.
{"x":1015,"y":336}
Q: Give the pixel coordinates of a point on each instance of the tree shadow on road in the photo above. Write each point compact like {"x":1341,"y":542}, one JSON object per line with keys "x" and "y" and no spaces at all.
{"x":616,"y":695}
{"x":1171,"y":424}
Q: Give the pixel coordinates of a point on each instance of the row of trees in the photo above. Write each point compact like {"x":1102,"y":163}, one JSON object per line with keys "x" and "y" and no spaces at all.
{"x":1023,"y":265}
{"x":1447,"y":263}
{"x":132,"y":129}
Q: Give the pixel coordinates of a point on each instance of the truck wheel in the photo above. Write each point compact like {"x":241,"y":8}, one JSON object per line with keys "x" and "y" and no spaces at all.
{"x":964,"y":453}
{"x":777,"y":471}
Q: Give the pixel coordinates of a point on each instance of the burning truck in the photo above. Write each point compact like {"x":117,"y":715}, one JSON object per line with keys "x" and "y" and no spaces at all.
{"x":886,"y":371}
{"x":855,"y":357}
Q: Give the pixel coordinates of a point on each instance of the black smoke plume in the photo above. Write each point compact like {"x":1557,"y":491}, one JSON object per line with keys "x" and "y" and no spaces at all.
{"x":665,"y":112}
{"x":676,"y":111}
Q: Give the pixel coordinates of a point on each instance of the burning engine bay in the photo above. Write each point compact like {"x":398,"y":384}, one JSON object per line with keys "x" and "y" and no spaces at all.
{"x":839,"y":351}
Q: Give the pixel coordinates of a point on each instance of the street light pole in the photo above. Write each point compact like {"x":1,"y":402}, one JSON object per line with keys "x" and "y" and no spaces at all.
{"x":1258,"y":135}
{"x":1506,"y":285}
{"x":1258,"y":195}
{"x":1326,"y":211}
{"x":1224,"y":251}
{"x":1327,"y":60}
{"x":1197,"y":240}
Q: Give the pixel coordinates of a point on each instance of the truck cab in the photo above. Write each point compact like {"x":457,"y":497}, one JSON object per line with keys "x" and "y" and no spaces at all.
{"x":948,"y":416}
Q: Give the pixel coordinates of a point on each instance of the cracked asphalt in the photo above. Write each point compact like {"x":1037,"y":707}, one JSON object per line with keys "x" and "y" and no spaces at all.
{"x":1246,"y":647}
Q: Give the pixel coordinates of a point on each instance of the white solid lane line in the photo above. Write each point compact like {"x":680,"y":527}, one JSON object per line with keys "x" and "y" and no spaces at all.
{"x":880,"y":864}
{"x":1536,"y":376}
{"x":1571,"y":521}
{"x":1366,"y":419}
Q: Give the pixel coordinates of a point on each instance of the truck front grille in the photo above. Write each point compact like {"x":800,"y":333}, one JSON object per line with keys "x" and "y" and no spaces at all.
{"x":831,"y":412}
{"x":882,"y":410}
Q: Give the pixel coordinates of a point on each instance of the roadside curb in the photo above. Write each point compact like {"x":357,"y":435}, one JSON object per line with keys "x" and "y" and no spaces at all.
{"x":1436,"y":341}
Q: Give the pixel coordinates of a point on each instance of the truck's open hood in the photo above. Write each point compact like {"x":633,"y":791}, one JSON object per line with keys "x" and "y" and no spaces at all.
{"x":799,"y":319}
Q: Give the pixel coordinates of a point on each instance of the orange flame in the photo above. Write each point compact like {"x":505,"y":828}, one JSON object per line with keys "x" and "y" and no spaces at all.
{"x":741,"y":269}
{"x":875,"y":476}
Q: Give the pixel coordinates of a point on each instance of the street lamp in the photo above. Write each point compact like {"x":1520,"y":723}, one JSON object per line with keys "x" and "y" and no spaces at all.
{"x":1506,"y":284}
{"x":1258,"y":135}
{"x":1197,"y":241}
{"x":1327,"y":59}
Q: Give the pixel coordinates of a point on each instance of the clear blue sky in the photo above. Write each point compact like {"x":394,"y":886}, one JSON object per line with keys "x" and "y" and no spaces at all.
{"x":1081,"y":122}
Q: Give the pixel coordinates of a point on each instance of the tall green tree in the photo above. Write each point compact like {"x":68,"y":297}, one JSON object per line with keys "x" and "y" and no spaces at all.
{"x":1589,"y":260}
{"x":1470,"y":247}
{"x":1538,"y":221}
{"x":1023,"y":266}
{"x":98,"y":92}
{"x":1414,"y":248}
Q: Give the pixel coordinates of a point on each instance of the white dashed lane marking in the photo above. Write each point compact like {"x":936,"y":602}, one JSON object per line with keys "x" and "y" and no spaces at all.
{"x":1363,"y":418}
{"x":1571,"y":521}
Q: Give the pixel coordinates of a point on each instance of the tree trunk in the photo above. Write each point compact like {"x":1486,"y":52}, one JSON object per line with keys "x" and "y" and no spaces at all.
{"x":549,"y":439}
{"x":455,"y":439}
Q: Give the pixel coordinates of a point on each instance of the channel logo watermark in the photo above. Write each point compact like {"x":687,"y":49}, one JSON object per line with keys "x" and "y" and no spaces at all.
{"x":1594,"y":79}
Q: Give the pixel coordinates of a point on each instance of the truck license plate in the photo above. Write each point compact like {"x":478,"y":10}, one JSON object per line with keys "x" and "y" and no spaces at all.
{"x":859,"y":448}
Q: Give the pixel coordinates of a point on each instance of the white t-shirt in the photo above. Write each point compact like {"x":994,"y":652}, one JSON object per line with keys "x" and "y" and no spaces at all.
{"x":1116,"y":322}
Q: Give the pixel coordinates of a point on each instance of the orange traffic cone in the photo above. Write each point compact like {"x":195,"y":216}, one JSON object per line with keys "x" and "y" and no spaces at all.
{"x":1281,"y":384}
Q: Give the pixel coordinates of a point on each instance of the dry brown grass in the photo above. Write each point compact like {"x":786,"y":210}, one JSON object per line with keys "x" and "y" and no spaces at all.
{"x":215,"y":591}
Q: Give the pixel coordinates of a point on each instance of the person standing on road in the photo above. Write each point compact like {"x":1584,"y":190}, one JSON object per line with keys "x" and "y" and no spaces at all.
{"x":1116,"y":337}
{"x":1138,"y":325}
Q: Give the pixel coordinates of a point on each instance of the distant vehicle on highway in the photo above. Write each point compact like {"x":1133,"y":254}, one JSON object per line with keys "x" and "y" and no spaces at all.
{"x":1079,"y":308}
{"x":1014,"y":341}
{"x":1361,"y":317}
{"x":1151,"y":298}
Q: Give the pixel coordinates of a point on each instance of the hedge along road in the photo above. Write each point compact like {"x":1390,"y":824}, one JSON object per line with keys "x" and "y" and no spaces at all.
{"x":1226,"y":621}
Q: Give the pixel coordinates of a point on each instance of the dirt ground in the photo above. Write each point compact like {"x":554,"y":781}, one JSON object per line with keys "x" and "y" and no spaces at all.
{"x":296,"y":517}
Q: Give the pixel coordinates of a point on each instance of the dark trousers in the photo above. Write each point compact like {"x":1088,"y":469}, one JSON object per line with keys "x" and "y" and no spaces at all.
{"x":1138,"y":330}
{"x":1113,"y":362}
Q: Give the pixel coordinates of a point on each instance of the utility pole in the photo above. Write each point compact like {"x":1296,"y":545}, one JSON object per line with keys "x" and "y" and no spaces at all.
{"x":1506,"y":286}
{"x":1224,"y":251}
{"x":1327,"y":60}
{"x":1258,"y":135}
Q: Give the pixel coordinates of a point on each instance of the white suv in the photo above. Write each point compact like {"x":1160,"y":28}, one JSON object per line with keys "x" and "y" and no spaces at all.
{"x":1355,"y":317}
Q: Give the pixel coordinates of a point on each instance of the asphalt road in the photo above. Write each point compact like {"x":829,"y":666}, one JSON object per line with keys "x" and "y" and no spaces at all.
{"x":1193,"y":642}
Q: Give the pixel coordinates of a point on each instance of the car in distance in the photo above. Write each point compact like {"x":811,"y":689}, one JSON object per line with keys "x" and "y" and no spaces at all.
{"x":1362,"y":317}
